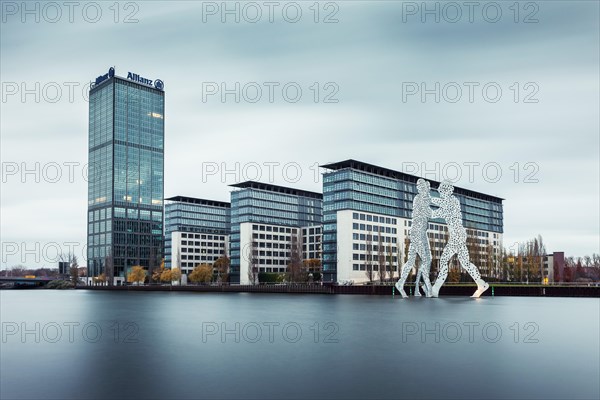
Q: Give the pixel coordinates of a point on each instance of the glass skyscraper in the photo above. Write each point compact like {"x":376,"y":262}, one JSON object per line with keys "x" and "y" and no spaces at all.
{"x":362,"y":202}
{"x":126,"y":169}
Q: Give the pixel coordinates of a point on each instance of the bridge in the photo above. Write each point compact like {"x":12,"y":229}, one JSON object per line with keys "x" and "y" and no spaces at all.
{"x":22,"y":282}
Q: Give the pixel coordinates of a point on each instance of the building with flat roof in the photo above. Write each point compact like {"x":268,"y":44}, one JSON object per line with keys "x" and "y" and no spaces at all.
{"x":267,"y":223}
{"x":367,"y":212}
{"x":196,"y":231}
{"x":553,"y":267}
{"x":126,"y":168}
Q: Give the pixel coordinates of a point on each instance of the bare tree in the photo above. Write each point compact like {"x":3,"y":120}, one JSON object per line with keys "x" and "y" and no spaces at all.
{"x":368,"y":257}
{"x":74,"y":270}
{"x":390,"y":257}
{"x":296,"y":270}
{"x":109,"y":268}
{"x":73,"y":266}
{"x":473,"y":247}
{"x":381,"y":259}
{"x":253,"y":262}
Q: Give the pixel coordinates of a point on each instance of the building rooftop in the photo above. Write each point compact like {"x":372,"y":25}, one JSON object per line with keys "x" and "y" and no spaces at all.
{"x":205,"y":202}
{"x":279,"y":189}
{"x":390,"y":173}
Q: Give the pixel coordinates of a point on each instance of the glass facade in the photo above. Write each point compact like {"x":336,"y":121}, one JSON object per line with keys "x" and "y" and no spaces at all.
{"x":125,"y":179}
{"x":270,"y":204}
{"x":187,"y":214}
{"x":353,"y":185}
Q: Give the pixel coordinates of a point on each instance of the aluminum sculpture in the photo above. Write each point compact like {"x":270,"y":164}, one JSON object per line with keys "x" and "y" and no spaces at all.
{"x":449,"y":210}
{"x":419,"y":243}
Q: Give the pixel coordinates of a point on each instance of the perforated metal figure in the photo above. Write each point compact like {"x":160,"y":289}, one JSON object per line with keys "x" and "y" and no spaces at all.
{"x":449,"y":210}
{"x":419,"y":243}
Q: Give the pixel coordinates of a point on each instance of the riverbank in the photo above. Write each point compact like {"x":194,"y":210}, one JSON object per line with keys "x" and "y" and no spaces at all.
{"x":380,"y":290}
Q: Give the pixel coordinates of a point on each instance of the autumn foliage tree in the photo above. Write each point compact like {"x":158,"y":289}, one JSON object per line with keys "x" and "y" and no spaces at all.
{"x":313,"y":265}
{"x":175,"y":274}
{"x":100,"y":278}
{"x":136,"y":275}
{"x":165,"y":275}
{"x":157,"y":272}
{"x":222,"y":266}
{"x":201,"y":274}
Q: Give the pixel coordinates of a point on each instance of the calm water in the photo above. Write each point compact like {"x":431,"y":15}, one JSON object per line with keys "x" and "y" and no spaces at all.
{"x":169,"y":345}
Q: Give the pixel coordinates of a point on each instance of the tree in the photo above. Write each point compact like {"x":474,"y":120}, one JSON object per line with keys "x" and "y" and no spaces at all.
{"x":155,"y":260}
{"x":381,"y":267}
{"x":253,"y":263}
{"x":202,"y":273}
{"x":473,"y":247}
{"x":368,"y":260}
{"x":296,"y":269}
{"x":313,"y":266}
{"x":157,"y":272}
{"x":137,"y":275}
{"x":390,"y":257}
{"x":222,"y":266}
{"x":109,"y":268}
{"x":165,"y":275}
{"x":175,"y":275}
{"x":453,"y":274}
{"x":74,"y":271}
{"x":71,"y":260}
{"x":519,"y":265}
{"x":100,"y":278}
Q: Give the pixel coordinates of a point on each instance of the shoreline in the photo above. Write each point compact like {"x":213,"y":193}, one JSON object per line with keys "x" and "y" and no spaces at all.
{"x":378,"y":290}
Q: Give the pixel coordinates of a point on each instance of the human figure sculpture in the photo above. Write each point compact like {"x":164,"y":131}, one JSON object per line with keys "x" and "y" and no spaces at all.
{"x":449,"y":210}
{"x":419,"y":243}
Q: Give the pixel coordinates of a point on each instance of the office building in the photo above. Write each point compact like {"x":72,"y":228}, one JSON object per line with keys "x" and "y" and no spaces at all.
{"x":367,"y":213}
{"x":267,"y":224}
{"x":553,"y":267}
{"x":196,"y":232}
{"x":125,"y":180}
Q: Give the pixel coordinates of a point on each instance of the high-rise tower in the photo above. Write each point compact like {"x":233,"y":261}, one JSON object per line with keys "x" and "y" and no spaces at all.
{"x":126,"y":173}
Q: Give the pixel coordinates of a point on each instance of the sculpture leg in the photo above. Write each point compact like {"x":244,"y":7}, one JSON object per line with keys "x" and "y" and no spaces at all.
{"x":426,"y":267}
{"x":405,"y":269}
{"x":443,"y":274}
{"x":417,"y":280}
{"x":463,"y":258}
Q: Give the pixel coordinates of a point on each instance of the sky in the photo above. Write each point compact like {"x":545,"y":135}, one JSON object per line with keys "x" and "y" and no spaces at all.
{"x":499,"y":98}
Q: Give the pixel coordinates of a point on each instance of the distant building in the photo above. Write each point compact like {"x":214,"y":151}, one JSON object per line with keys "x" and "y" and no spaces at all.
{"x":196,"y":232}
{"x":266,"y":222}
{"x":64,"y":268}
{"x":367,"y":212}
{"x":553,"y":267}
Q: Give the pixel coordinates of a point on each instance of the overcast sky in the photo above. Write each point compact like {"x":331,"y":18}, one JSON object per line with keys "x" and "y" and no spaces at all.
{"x":518,"y":95}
